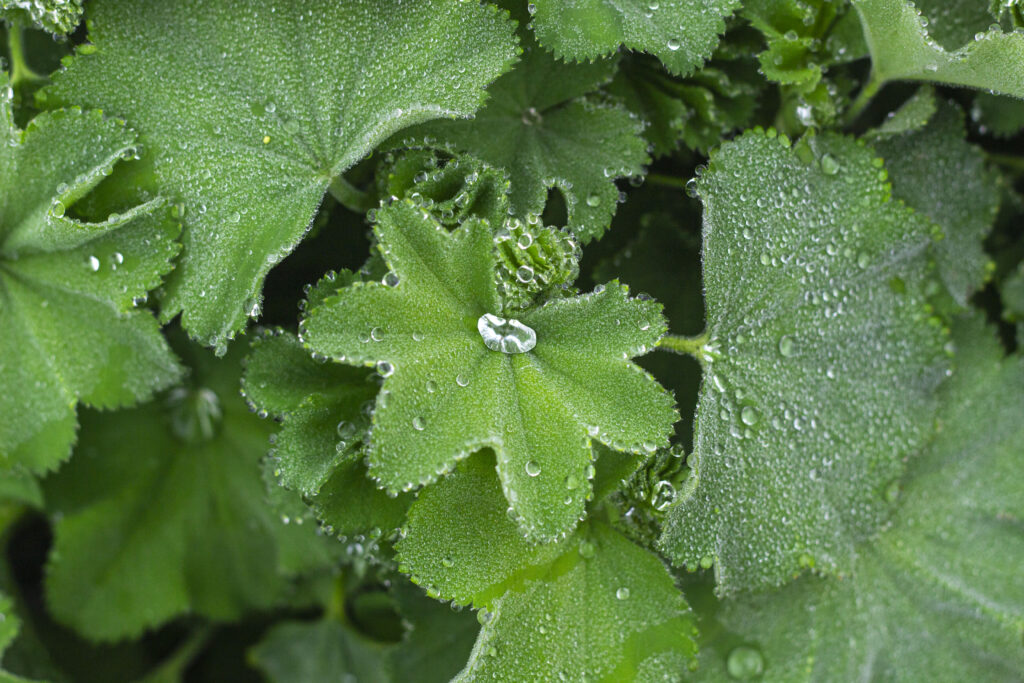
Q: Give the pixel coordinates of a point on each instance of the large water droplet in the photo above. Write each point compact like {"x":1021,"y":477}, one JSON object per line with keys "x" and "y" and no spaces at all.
{"x":622,"y":593}
{"x":787,"y":346}
{"x":745,"y":663}
{"x":505,"y":335}
{"x":532,"y":468}
{"x":419,"y":424}
{"x":750,"y":416}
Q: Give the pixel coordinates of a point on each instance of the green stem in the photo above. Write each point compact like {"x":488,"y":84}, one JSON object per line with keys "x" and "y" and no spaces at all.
{"x":686,"y":346}
{"x":21,"y":72}
{"x":1013,"y":163}
{"x":335,"y":609}
{"x":172,"y":668}
{"x":350,"y":196}
{"x":666,"y":180}
{"x":864,"y":97}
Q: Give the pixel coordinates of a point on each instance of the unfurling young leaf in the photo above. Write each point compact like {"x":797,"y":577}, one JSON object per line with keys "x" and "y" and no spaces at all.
{"x":463,"y":372}
{"x":59,"y":17}
{"x":277,"y":108}
{"x":812,"y":321}
{"x":68,"y":286}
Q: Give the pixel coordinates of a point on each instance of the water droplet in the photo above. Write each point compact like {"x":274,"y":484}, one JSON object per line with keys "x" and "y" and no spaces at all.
{"x":531,"y":116}
{"x":622,"y":593}
{"x":505,"y":335}
{"x":419,"y":424}
{"x":532,"y":468}
{"x":524,"y":274}
{"x":417,"y":336}
{"x":863,"y":260}
{"x":525,"y":241}
{"x":750,"y":416}
{"x":829,"y":165}
{"x":385,"y":369}
{"x":94,"y":264}
{"x":462,"y":380}
{"x":593,"y":200}
{"x":448,"y":562}
{"x":745,"y":663}
{"x":376,"y":334}
{"x":390,"y":280}
{"x":664,"y":495}
{"x":431,"y":386}
{"x":484,"y":617}
{"x":787,"y":346}
{"x":587,"y":550}
{"x":673,"y":44}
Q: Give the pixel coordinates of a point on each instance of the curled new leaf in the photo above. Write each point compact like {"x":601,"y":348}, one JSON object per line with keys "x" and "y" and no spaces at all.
{"x":537,"y":388}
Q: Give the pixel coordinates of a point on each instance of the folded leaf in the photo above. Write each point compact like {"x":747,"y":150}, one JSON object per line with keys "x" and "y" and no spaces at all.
{"x":821,"y":361}
{"x":939,"y":594}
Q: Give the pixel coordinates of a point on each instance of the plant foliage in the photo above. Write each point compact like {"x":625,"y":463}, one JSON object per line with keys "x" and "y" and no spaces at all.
{"x":563,"y":340}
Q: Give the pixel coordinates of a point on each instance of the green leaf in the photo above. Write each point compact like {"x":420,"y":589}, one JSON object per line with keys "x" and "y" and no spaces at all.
{"x":277,"y":107}
{"x":997,"y":115}
{"x":939,"y":595}
{"x":821,"y":359}
{"x":1013,"y":301}
{"x":938,"y":174}
{"x":68,"y":286}
{"x":903,"y":49}
{"x":534,"y":126}
{"x":181,"y":525}
{"x":682,"y":34}
{"x":447,"y":394}
{"x":59,"y":17}
{"x":318,"y":451}
{"x":9,"y":627}
{"x":433,"y":648}
{"x":594,"y":604}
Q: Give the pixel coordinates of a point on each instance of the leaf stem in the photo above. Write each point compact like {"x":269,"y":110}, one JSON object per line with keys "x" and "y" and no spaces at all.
{"x":335,"y":608}
{"x":1008,"y":161}
{"x":350,"y":196}
{"x":864,"y":97}
{"x":174,"y":666}
{"x":686,"y":346}
{"x":21,"y":72}
{"x":666,"y":180}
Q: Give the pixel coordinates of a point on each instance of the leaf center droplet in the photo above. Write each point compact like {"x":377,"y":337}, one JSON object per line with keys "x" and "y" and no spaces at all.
{"x":505,"y":335}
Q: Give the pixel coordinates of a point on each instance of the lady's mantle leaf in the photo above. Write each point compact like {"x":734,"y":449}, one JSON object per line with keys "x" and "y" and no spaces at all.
{"x":681,"y":33}
{"x":319,"y":449}
{"x":821,"y":360}
{"x":902,"y":49}
{"x":538,"y":127}
{"x":594,"y":605}
{"x":448,"y":394}
{"x":59,"y":17}
{"x":938,"y":173}
{"x":179,"y":525}
{"x":281,"y":97}
{"x":939,"y":595}
{"x":432,"y":650}
{"x":68,"y":333}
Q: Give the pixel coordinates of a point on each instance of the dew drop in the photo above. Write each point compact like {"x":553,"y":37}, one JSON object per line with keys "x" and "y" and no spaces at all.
{"x":787,"y":346}
{"x":431,"y":386}
{"x":385,"y":369}
{"x":673,"y":44}
{"x":419,"y":424}
{"x":376,"y":334}
{"x":532,"y":468}
{"x":829,"y":165}
{"x":593,"y":200}
{"x":750,"y":416}
{"x":505,"y":335}
{"x":745,"y":663}
{"x":524,"y":274}
{"x":462,"y":380}
{"x":390,"y":280}
{"x":622,"y":593}
{"x":94,"y":264}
